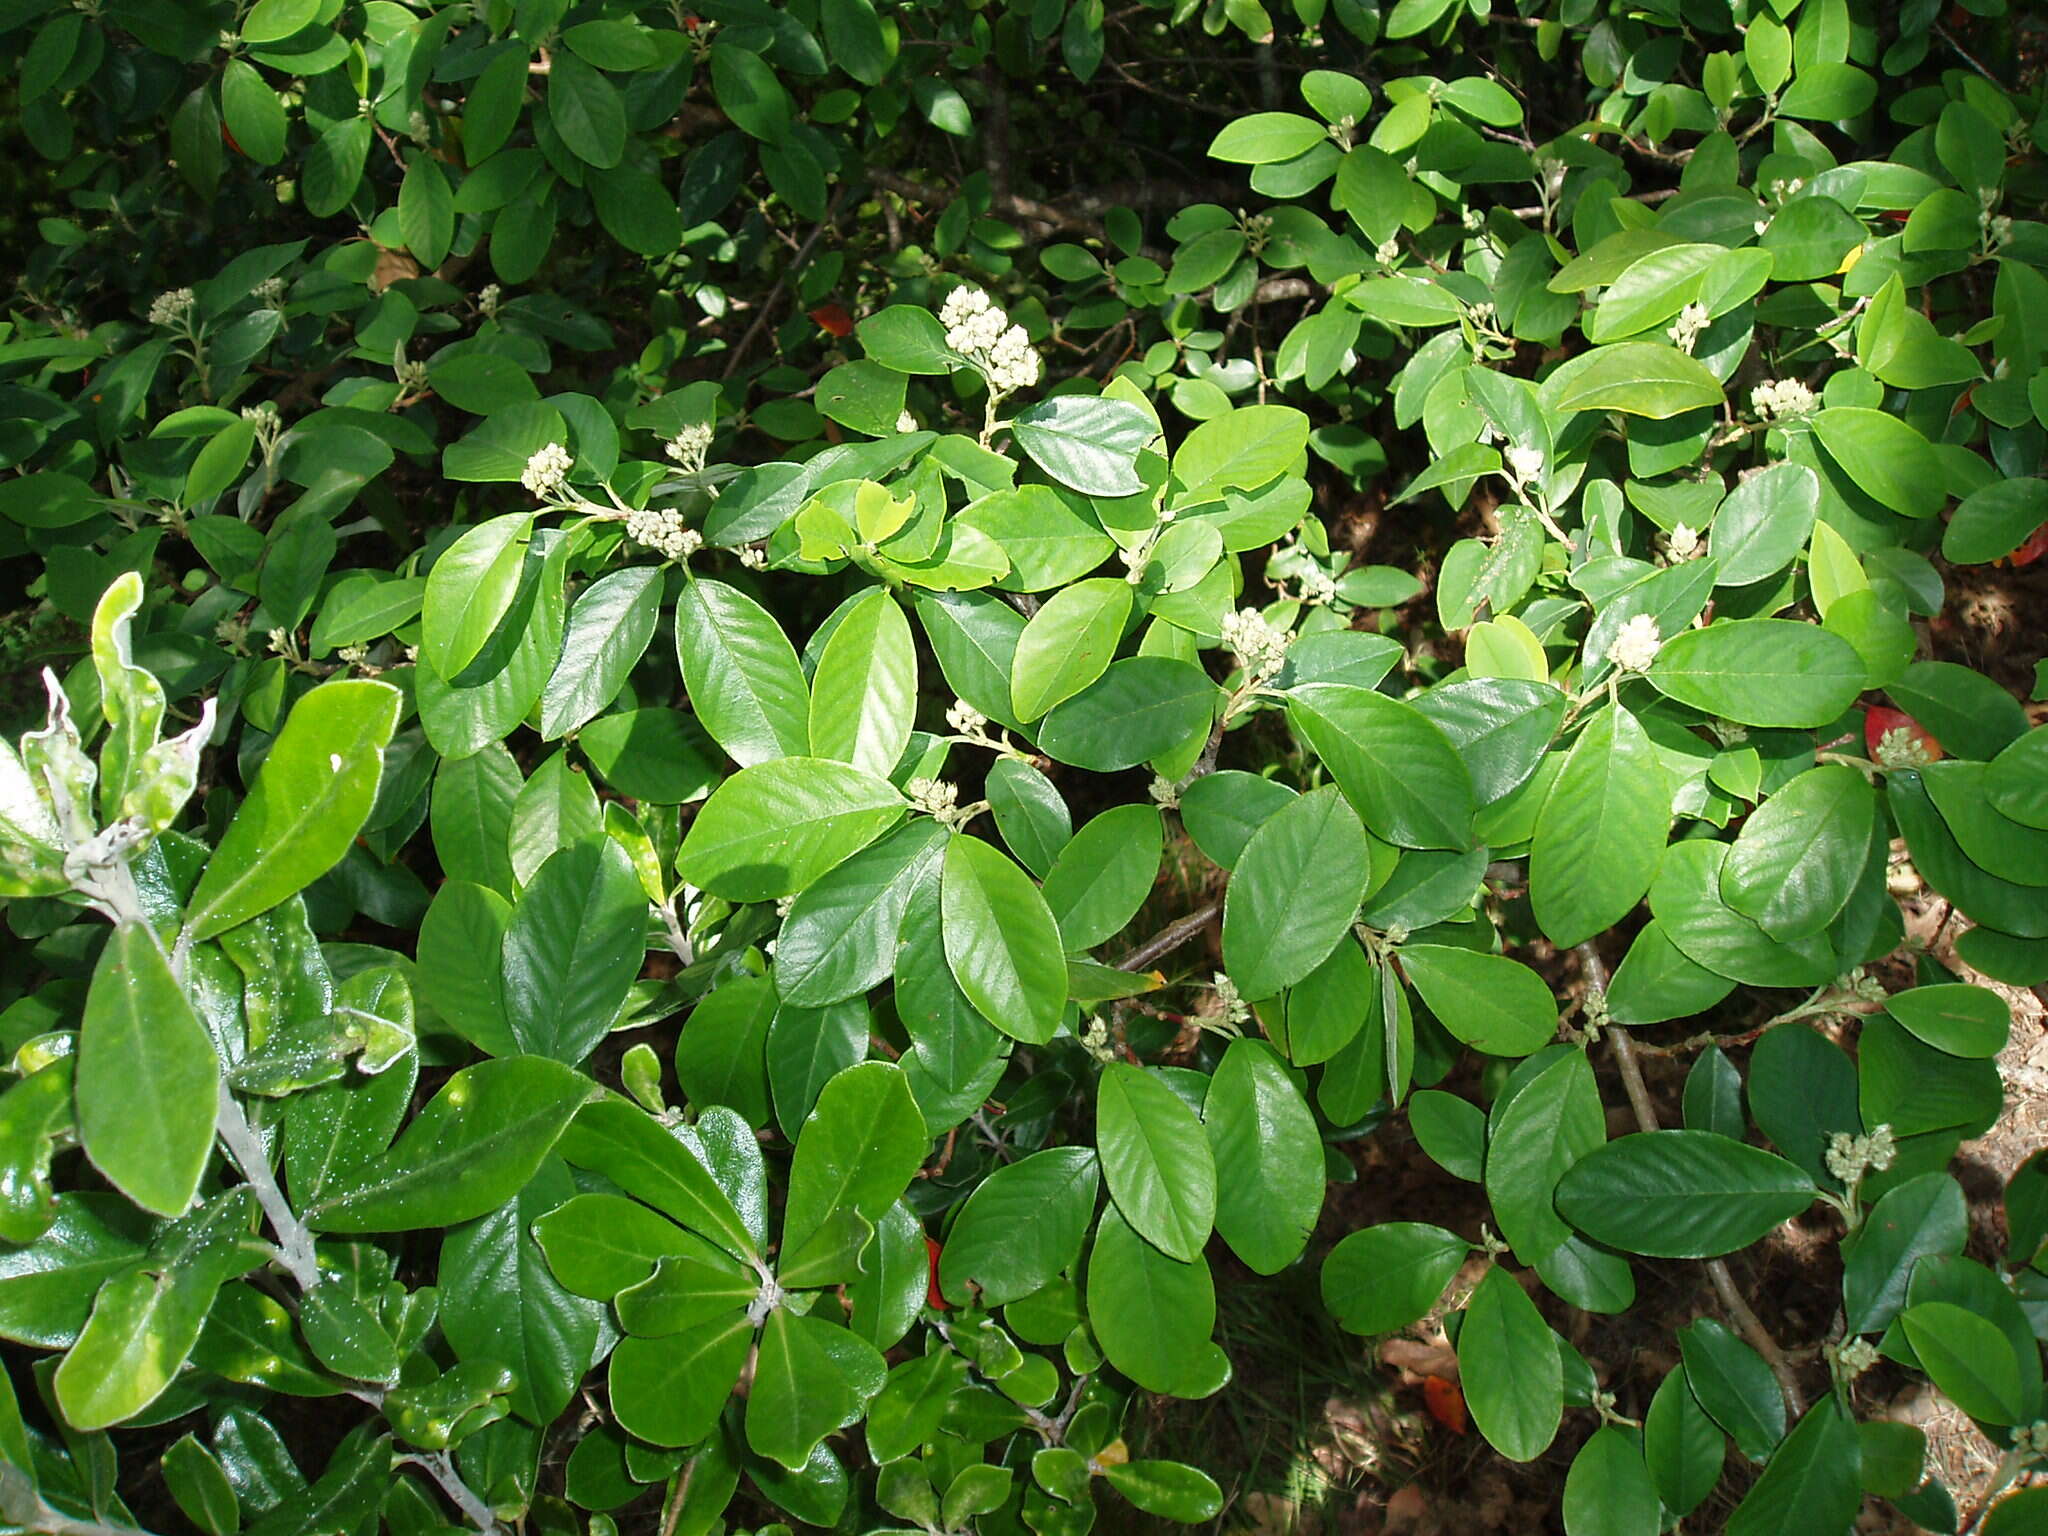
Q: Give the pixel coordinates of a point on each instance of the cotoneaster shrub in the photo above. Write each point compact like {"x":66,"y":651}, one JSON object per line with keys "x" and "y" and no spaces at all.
{"x":548,"y":523}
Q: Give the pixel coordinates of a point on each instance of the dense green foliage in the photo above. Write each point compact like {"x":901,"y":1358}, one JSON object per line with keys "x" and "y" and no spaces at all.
{"x":635,"y":600}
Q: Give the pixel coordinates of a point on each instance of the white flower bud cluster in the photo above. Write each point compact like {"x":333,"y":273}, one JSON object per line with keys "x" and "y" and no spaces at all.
{"x":690,"y":446}
{"x":270,"y":293}
{"x":1165,"y":792}
{"x":906,"y":422}
{"x":1474,"y":220}
{"x":547,"y":470}
{"x":1784,"y":189}
{"x":1903,"y":747}
{"x":353,"y":655}
{"x":1854,"y":1356}
{"x":662,"y":531}
{"x":937,"y":798}
{"x":411,"y":375}
{"x":1637,"y":645}
{"x":1849,"y":1157}
{"x":1261,"y":648}
{"x":1524,"y":463}
{"x":279,"y":641}
{"x":1685,"y":330}
{"x":1776,"y":399}
{"x":1318,"y":586}
{"x":2033,"y":1439}
{"x":1095,"y":1040}
{"x":965,"y":719}
{"x":1681,"y":543}
{"x":982,"y":333}
{"x":752,"y":556}
{"x":488,"y":298}
{"x":1387,"y":252}
{"x":232,"y":632}
{"x":1236,"y":1011}
{"x":172,"y":308}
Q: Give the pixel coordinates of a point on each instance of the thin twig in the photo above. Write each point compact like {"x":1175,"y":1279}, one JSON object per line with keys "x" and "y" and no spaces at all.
{"x":789,"y":272}
{"x":295,"y":1239}
{"x":1169,"y":938}
{"x":440,"y":1466}
{"x":1746,"y":1321}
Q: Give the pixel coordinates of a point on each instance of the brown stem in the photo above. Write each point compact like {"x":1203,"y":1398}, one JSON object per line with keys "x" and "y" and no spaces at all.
{"x":1746,"y":1321}
{"x":1169,"y":938}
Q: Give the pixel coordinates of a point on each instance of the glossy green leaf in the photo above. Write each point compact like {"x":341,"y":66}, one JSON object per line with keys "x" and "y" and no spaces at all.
{"x":1769,"y":672}
{"x":1068,"y":644}
{"x":1261,"y":1130}
{"x":1021,"y":1227}
{"x":773,"y":829}
{"x":1002,"y":944}
{"x":1681,"y":1194}
{"x":1509,"y":1367}
{"x":313,"y":793}
{"x":1156,"y":1160}
{"x":1384,"y":1277}
{"x":470,"y":1150}
{"x":1398,"y":769}
{"x":1294,"y":893}
{"x":741,"y":673}
{"x":1492,"y":1003}
{"x":1601,"y":831}
{"x":148,"y":1079}
{"x":865,"y":691}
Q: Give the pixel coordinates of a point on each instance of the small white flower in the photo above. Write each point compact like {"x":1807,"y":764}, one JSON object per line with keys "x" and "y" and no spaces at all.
{"x":906,"y":422}
{"x":1681,"y":543}
{"x":1776,"y":399}
{"x":171,"y":308}
{"x":1524,"y":463}
{"x":691,"y":445}
{"x":1849,"y":1157}
{"x":1261,"y":648}
{"x":1903,"y":747}
{"x":259,"y":413}
{"x":1637,"y":645}
{"x":937,"y":798}
{"x":663,"y":532}
{"x":1236,"y":1011}
{"x":1685,"y":330}
{"x":965,"y":719}
{"x":1095,"y":1040}
{"x":547,"y":470}
{"x":982,"y":333}
{"x":487,"y":300}
{"x":1854,"y":1356}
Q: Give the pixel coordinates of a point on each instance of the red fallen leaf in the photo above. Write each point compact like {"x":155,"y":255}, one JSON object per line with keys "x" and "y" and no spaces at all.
{"x":833,"y":318}
{"x":1445,"y":1401}
{"x":2035,"y":547}
{"x":931,"y":1293}
{"x":229,"y":140}
{"x":1881,"y":719}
